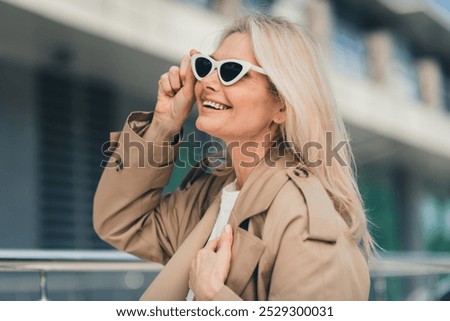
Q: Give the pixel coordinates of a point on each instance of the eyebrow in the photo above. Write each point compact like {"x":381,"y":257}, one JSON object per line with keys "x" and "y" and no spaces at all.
{"x":212,"y":56}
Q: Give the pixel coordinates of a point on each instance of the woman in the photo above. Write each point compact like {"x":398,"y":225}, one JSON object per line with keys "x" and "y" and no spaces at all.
{"x":286,"y":222}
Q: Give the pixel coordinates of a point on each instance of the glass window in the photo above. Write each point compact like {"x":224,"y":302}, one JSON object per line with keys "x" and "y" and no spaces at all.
{"x":202,"y":3}
{"x":250,"y":5}
{"x":379,"y":200}
{"x":404,"y":70}
{"x":348,"y":50}
{"x":435,"y":221}
{"x":258,"y":5}
{"x":446,"y":85}
{"x":74,"y":118}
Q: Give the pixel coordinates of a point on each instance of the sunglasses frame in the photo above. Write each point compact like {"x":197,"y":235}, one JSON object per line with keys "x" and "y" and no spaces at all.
{"x":246,"y":66}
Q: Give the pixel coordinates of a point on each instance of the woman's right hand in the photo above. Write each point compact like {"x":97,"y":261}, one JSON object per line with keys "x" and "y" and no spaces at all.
{"x":175,"y":96}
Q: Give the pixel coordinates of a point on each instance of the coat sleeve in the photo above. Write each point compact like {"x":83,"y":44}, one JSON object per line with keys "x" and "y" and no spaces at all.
{"x":130,"y":211}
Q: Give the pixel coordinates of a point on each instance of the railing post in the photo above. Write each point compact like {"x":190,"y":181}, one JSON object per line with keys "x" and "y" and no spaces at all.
{"x":432,"y":284}
{"x":43,"y":285}
{"x":379,"y":287}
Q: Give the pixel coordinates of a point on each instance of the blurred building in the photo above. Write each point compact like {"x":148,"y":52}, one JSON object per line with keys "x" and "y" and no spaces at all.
{"x":71,"y":71}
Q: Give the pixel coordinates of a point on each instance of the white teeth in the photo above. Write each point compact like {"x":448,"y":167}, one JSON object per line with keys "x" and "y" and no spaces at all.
{"x":214,"y":105}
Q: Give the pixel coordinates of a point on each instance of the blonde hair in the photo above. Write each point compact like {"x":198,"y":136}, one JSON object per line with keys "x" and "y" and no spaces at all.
{"x":291,"y":60}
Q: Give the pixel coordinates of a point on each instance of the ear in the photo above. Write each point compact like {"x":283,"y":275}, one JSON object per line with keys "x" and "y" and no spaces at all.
{"x":279,"y":116}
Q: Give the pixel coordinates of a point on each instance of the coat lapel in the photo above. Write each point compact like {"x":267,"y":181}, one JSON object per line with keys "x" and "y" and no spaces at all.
{"x":172,"y":283}
{"x":246,"y":252}
{"x":261,"y":187}
{"x":255,"y":197}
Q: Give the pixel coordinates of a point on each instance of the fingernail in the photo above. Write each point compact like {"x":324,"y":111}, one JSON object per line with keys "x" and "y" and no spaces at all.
{"x":228,"y":228}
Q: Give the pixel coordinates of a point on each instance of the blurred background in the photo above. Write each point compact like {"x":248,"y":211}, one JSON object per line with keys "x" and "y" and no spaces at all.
{"x":72,"y":70}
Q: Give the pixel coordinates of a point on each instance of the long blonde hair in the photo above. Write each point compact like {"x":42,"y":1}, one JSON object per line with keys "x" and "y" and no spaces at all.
{"x":291,"y":60}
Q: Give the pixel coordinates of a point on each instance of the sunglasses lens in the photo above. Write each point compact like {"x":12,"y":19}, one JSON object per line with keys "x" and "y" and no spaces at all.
{"x":202,"y":66}
{"x":230,"y":70}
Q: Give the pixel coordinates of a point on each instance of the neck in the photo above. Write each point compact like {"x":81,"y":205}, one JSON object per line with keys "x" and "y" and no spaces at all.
{"x":246,"y":155}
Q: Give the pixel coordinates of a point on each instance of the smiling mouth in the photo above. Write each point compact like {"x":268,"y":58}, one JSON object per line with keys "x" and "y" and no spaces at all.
{"x":216,"y":106}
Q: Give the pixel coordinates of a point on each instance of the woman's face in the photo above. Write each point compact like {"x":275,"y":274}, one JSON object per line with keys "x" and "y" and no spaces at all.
{"x":251,"y":110}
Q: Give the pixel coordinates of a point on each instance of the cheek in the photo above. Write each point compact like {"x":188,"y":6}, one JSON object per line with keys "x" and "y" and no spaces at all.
{"x":197,"y":89}
{"x":256,"y":104}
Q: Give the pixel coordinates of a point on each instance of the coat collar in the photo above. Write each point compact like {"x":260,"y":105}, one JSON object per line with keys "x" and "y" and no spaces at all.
{"x":268,"y":178}
{"x":262,"y":186}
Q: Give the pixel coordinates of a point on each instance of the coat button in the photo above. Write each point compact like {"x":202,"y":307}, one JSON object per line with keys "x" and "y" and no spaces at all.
{"x":300,"y":172}
{"x":119,"y":165}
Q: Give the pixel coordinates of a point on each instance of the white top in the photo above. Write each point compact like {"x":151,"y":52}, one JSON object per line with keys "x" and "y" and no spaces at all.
{"x":228,"y":198}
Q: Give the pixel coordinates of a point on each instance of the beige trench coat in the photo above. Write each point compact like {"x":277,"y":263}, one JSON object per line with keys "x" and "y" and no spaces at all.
{"x":289,"y":242}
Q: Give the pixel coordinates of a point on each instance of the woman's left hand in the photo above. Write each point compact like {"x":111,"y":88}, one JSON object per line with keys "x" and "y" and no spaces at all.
{"x":210,"y":268}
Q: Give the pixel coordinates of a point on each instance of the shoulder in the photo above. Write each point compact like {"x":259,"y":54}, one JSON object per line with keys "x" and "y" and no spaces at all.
{"x":303,"y":198}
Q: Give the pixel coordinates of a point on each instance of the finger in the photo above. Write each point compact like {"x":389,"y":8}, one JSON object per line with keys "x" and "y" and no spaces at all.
{"x":174,"y":78}
{"x":184,"y":66}
{"x":223,"y":260}
{"x":193,"y":52}
{"x":212,"y":245}
{"x":164,"y":85}
{"x":225,"y":243}
{"x":189,"y":81}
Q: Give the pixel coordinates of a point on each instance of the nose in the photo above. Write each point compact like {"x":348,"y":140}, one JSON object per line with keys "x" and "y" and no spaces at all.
{"x":212,"y":81}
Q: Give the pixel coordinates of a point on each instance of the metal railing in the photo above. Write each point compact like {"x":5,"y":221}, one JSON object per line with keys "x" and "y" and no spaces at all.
{"x":410,"y":265}
{"x":44,"y":261}
{"x":390,"y":265}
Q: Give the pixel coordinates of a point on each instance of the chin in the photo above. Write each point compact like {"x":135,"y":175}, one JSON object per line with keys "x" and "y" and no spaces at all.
{"x":201,"y":126}
{"x":205,"y":126}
